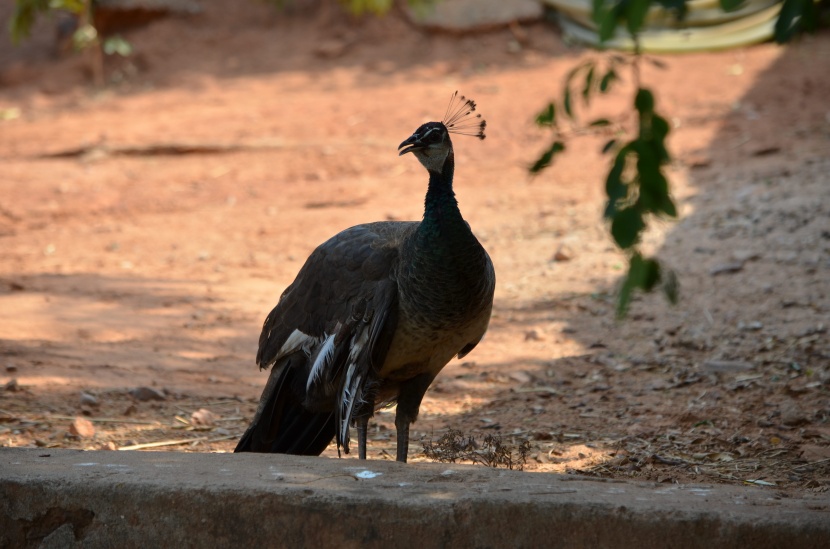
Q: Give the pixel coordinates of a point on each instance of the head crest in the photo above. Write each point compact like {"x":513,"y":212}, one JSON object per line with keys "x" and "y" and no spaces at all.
{"x":460,"y":118}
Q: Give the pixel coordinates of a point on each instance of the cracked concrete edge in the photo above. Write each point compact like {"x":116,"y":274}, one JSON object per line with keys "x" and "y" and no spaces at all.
{"x":68,"y":498}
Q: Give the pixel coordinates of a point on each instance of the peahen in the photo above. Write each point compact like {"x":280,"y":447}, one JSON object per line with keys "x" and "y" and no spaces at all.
{"x":375,"y":313}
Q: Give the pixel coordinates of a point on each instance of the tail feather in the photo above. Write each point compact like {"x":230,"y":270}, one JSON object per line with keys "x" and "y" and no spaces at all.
{"x":282,"y":425}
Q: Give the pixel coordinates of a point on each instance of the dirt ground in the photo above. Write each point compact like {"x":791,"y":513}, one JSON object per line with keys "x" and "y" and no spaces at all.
{"x":147,"y":227}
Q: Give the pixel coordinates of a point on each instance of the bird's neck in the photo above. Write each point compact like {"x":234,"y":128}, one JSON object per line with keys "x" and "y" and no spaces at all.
{"x":442,"y":217}
{"x":443,"y":257}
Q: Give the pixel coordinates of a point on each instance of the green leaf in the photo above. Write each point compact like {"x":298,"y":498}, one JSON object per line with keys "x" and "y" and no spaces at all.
{"x":644,"y":101}
{"x":547,"y":117}
{"x":607,"y":26}
{"x":75,"y":6}
{"x":795,"y":16}
{"x":589,"y":82}
{"x":643,"y":274}
{"x":667,"y":206}
{"x":116,"y":44}
{"x":627,"y":226}
{"x":659,"y":130}
{"x":607,"y":81}
{"x":598,"y":10}
{"x":635,"y":15}
{"x":615,"y":188}
{"x":649,"y":275}
{"x":547,"y":157}
{"x":600,"y":123}
{"x":23,"y":17}
{"x":608,"y":146}
{"x":731,"y":5}
{"x":625,"y":297}
{"x":566,"y":103}
{"x":635,"y":268}
{"x":575,"y":71}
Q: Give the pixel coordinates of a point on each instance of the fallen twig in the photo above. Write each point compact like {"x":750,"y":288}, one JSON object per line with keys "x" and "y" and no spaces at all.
{"x":105,"y":420}
{"x":176,"y":442}
{"x":811,"y":463}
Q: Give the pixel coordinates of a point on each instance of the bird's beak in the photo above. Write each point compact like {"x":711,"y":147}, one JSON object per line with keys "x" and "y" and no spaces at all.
{"x":412,"y":143}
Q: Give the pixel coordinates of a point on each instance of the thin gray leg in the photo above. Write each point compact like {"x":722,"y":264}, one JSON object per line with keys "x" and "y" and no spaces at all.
{"x":362,"y":425}
{"x":409,"y":401}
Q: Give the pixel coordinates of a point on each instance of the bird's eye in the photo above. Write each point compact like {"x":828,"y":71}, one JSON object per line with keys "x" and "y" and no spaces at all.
{"x":433,"y":135}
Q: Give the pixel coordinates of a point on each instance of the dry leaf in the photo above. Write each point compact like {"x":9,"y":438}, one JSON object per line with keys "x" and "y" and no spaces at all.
{"x":203,"y":417}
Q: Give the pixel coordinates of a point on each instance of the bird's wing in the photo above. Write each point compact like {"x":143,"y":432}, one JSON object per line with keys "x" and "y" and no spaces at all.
{"x":341,"y":313}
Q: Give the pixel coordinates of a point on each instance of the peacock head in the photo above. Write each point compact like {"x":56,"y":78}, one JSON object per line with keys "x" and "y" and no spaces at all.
{"x":431,"y":143}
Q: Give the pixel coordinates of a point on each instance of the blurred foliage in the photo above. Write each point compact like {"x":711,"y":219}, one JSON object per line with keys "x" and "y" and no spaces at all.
{"x":360,"y":7}
{"x":26,"y":11}
{"x":84,"y":36}
{"x":799,"y":16}
{"x":636,"y":186}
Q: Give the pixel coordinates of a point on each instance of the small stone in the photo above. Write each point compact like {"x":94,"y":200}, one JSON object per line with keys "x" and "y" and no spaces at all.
{"x":88,"y":399}
{"x":144,"y":394}
{"x":742,"y":256}
{"x":11,"y":386}
{"x":753,"y":326}
{"x":533,"y":335}
{"x":813,"y":330}
{"x":562,"y":255}
{"x":727,"y":366}
{"x":793,"y":417}
{"x":11,"y":368}
{"x":726,"y":268}
{"x":82,"y":427}
{"x":521,"y":377}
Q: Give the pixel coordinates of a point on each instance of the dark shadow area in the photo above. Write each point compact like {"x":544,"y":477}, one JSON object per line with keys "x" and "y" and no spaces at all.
{"x":732,"y":384}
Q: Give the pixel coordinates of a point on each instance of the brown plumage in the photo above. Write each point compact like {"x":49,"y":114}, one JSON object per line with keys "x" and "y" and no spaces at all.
{"x":374,"y":314}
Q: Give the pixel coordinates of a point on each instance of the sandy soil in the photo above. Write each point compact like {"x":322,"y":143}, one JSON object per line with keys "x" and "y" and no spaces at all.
{"x":146,"y":228}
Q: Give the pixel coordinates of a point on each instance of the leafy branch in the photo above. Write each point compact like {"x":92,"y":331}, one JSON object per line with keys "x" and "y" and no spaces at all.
{"x":636,"y":186}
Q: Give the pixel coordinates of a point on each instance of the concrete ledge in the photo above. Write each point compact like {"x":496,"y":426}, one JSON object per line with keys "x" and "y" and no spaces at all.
{"x":67,"y":498}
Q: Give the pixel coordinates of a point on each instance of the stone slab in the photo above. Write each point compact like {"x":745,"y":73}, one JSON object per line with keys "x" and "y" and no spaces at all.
{"x":69,"y":498}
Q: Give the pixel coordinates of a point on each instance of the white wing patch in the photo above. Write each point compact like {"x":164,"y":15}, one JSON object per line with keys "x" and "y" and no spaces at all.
{"x":296,"y":341}
{"x":352,"y":392}
{"x":322,"y":362}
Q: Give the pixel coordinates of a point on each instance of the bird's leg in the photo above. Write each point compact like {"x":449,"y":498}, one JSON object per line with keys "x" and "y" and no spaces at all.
{"x":402,"y":426}
{"x":409,"y":401}
{"x":364,"y":412}
{"x":362,"y":424}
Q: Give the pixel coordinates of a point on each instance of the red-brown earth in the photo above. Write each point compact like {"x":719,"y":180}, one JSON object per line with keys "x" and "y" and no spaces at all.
{"x":147,"y":227}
